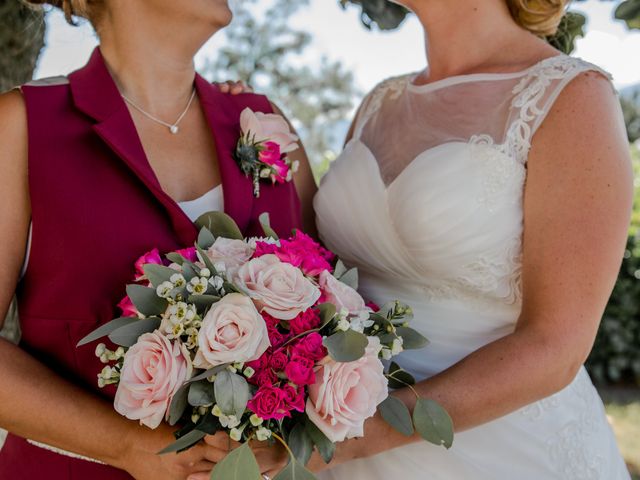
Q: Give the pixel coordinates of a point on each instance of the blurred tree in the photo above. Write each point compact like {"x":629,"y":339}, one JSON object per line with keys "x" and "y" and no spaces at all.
{"x":21,"y":39}
{"x":266,"y":51}
{"x":387,"y":16}
{"x":631,"y":109}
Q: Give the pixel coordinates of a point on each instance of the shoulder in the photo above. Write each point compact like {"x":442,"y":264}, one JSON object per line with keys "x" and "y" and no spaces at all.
{"x":13,"y":137}
{"x":13,"y":115}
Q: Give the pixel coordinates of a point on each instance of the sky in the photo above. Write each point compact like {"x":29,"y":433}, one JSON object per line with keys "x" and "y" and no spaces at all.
{"x":371,"y":55}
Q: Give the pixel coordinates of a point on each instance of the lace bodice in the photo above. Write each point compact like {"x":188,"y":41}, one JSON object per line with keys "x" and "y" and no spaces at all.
{"x":429,"y":190}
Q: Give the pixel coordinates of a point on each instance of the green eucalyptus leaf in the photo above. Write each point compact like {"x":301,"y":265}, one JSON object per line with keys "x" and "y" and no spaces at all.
{"x":220,"y":225}
{"x":411,"y":339}
{"x":346,"y":346}
{"x":127,"y":335}
{"x":399,"y":378}
{"x":106,"y":329}
{"x":208,"y":373}
{"x":175,"y":258}
{"x":208,"y":424}
{"x":206,"y":260}
{"x":201,"y":394}
{"x":350,"y":278}
{"x":205,"y":238}
{"x":240,"y":464}
{"x":295,"y":471}
{"x":158,"y":274}
{"x":340,"y":269}
{"x":203,"y":302}
{"x":183,"y":443}
{"x":179,"y":404}
{"x":396,"y":414}
{"x":232,"y":393}
{"x":146,"y":300}
{"x":325,"y":447}
{"x":300,"y":443}
{"x":433,"y":423}
{"x":265,"y":222}
{"x":327,"y":312}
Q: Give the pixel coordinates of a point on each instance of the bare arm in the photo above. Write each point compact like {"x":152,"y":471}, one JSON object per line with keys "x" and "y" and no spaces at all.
{"x":577,"y":204}
{"x":52,"y":410}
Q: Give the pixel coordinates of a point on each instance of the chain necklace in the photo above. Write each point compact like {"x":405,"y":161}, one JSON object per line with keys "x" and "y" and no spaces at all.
{"x":173,"y":127}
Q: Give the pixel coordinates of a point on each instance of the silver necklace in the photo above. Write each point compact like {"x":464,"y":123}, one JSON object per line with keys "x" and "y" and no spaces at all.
{"x":173,"y":127}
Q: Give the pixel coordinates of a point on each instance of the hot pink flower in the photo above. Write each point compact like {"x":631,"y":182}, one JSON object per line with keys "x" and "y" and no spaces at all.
{"x":373,"y":306}
{"x":271,"y":153}
{"x":310,"y":346}
{"x":265,"y":377}
{"x":269,"y":402}
{"x":300,"y":370}
{"x":188,"y":253}
{"x":150,"y":257}
{"x":265,"y":248}
{"x":153,"y":371}
{"x":127,"y":307}
{"x":304,"y":322}
{"x":304,"y":252}
{"x":278,"y":361}
{"x":281,"y":174}
{"x":294,"y":397}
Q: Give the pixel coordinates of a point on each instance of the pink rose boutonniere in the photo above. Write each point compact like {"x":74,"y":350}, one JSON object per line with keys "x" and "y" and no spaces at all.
{"x":262,"y":149}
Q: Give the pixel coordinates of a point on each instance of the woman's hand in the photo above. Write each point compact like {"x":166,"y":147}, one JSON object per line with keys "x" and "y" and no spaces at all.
{"x":234,"y":88}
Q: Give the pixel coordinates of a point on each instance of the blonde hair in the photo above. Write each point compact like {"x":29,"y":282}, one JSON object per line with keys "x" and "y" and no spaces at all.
{"x":540,"y":17}
{"x":88,"y":9}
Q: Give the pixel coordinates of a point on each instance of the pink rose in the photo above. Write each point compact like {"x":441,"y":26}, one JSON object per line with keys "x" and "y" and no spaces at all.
{"x":299,"y":370}
{"x":310,"y":346}
{"x":294,"y":397}
{"x":277,"y":288}
{"x":304,"y":322}
{"x":341,"y":295}
{"x":278,"y":360}
{"x":269,"y":402}
{"x":189,"y":253}
{"x":150,"y":257}
{"x":373,"y":306}
{"x":232,"y":331}
{"x":271,"y":153}
{"x":263,"y":127}
{"x":264,"y":377}
{"x":232,"y":253}
{"x":153,"y":371}
{"x":346,"y":394}
{"x":304,"y":252}
{"x":127,"y":307}
{"x":265,"y":248}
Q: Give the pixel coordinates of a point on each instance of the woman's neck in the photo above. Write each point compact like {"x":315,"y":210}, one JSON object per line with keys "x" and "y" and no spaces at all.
{"x":466,"y":36}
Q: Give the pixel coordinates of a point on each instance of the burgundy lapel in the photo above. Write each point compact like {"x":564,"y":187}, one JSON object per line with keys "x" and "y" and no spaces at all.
{"x":223,"y":116}
{"x":95,"y":93}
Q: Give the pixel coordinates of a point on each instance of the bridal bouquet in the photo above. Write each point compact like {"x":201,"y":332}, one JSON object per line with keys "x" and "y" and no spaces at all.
{"x":264,"y":338}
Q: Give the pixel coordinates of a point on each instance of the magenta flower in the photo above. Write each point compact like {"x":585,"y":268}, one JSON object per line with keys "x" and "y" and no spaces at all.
{"x":150,"y":257}
{"x":269,"y":402}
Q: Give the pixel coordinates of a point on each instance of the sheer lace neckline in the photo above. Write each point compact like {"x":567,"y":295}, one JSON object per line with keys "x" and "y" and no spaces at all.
{"x":471,"y":77}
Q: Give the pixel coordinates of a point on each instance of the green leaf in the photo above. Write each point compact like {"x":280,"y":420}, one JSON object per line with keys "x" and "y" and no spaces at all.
{"x":205,"y":238}
{"x":327,"y":312}
{"x":208,"y":373}
{"x":240,"y":464}
{"x":220,"y":225}
{"x":128,"y":335}
{"x":411,"y":339}
{"x":433,"y":423}
{"x":146,"y":300}
{"x":179,"y":404}
{"x":206,"y":260}
{"x":202,"y":302}
{"x":208,"y":424}
{"x":232,"y":393}
{"x":186,"y":441}
{"x":396,"y":414}
{"x":340,"y":269}
{"x":201,"y":394}
{"x":295,"y":471}
{"x":158,"y":273}
{"x":399,"y":378}
{"x":265,"y":222}
{"x":175,"y":258}
{"x":106,"y":329}
{"x":300,"y":443}
{"x":350,"y":278}
{"x":346,"y":346}
{"x":325,"y":447}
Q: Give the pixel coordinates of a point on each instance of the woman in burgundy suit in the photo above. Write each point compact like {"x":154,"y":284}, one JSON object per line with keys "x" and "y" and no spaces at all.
{"x":93,"y":168}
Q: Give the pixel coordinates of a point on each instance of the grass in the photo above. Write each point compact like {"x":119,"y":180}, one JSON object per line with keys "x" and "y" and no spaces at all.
{"x":623,"y":410}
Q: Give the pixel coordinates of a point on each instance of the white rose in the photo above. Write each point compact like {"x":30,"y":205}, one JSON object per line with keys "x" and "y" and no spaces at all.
{"x":232,"y":253}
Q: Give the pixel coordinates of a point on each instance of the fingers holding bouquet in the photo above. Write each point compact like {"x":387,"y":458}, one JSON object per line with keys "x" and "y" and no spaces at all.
{"x":261,"y":350}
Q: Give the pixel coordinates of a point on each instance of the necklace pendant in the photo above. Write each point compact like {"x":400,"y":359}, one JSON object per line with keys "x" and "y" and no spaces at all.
{"x":174,"y":129}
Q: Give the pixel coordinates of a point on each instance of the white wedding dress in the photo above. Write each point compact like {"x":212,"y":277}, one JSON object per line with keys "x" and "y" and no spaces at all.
{"x":426,"y":200}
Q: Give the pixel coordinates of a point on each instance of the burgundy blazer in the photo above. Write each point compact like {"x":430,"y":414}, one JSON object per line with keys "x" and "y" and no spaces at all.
{"x":96,"y":207}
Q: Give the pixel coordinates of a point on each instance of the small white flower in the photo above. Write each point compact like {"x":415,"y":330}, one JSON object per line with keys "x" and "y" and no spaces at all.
{"x":178,"y":280}
{"x":164,"y":289}
{"x":265,"y":173}
{"x":255,"y":420}
{"x":249,"y":372}
{"x":295,"y":166}
{"x":197,"y":285}
{"x":216,"y":282}
{"x":396,"y":346}
{"x":235,"y":434}
{"x":386,"y":353}
{"x":220,"y":266}
{"x":100,"y":349}
{"x":195,"y":417}
{"x":205,"y":272}
{"x":216,"y":411}
{"x":289,"y":176}
{"x":343,"y":325}
{"x":263,"y":434}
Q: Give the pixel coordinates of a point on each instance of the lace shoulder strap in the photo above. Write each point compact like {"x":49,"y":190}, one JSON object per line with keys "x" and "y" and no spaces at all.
{"x":390,"y":88}
{"x":535,"y":94}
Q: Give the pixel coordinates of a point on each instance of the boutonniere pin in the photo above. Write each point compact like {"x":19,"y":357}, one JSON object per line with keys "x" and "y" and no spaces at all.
{"x":261,"y":152}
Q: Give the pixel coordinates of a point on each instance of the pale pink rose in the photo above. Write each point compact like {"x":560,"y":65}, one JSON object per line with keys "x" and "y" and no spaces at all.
{"x":153,"y":371}
{"x":341,"y":294}
{"x":278,"y":288}
{"x":232,"y":253}
{"x":232,"y":331}
{"x":346,"y":394}
{"x":264,"y":127}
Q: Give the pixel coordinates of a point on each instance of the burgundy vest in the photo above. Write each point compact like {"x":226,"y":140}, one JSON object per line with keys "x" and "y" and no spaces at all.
{"x":96,"y":207}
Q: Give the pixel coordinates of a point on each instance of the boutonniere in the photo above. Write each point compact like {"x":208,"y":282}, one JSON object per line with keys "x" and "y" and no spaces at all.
{"x":261,"y":152}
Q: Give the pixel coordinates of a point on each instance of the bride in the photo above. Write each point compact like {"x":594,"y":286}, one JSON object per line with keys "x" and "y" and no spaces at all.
{"x":492,"y":192}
